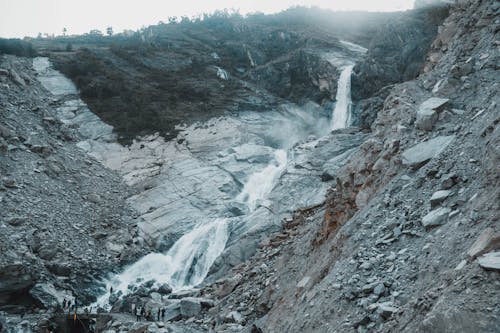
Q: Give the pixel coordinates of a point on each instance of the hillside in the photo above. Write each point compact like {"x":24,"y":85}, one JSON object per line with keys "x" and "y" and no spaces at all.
{"x":202,"y":168}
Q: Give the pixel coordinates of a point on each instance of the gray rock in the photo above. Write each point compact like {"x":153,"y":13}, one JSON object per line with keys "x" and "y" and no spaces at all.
{"x":436,"y":217}
{"x":173,"y":312}
{"x":386,"y":310}
{"x":165,"y":289}
{"x":439,"y":196}
{"x":190,"y":307}
{"x":484,"y":241}
{"x":419,"y":154}
{"x":94,"y":198}
{"x":233,"y":317}
{"x":16,"y":220}
{"x":426,"y":118}
{"x":379,"y":290}
{"x":448,"y":181}
{"x":17,"y":79}
{"x":5,"y":132}
{"x":434,"y":103}
{"x":304,"y":282}
{"x":490,"y":261}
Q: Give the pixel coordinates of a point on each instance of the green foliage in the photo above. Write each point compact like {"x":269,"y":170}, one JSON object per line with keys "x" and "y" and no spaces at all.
{"x":17,"y":47}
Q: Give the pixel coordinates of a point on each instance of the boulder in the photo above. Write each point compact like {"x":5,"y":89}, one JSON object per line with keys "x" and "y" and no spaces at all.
{"x":439,"y":196}
{"x":172,"y":312}
{"x":233,"y":317}
{"x":16,"y":221}
{"x":436,"y":217}
{"x":386,"y":310}
{"x":164,"y":289}
{"x":190,"y":307}
{"x":426,"y":119}
{"x":421,"y":153}
{"x":490,"y":261}
{"x":487,"y":240}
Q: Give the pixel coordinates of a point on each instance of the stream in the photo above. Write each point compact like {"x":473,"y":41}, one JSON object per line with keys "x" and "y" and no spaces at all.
{"x":220,"y":186}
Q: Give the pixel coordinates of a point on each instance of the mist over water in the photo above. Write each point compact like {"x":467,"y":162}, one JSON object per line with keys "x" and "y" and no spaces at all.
{"x":273,"y":134}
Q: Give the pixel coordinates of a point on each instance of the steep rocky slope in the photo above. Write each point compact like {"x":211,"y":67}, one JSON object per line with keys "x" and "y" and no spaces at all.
{"x":394,"y":248}
{"x":64,"y":218}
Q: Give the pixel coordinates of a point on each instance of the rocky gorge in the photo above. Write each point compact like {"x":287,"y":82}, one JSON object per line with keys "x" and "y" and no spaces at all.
{"x":277,"y":213}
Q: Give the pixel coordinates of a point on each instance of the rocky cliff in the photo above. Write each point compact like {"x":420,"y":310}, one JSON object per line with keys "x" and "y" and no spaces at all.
{"x":405,"y":240}
{"x":399,"y":245}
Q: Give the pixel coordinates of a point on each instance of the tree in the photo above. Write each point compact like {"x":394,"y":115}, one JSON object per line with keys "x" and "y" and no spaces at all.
{"x":109,"y":31}
{"x":65,"y":31}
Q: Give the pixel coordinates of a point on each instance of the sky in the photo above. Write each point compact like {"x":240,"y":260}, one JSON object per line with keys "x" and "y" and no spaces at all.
{"x":19,"y":18}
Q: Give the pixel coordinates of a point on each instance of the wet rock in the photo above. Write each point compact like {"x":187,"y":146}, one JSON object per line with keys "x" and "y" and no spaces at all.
{"x":190,"y":307}
{"x":490,"y":261}
{"x":439,"y":196}
{"x":45,"y":293}
{"x":164,"y":289}
{"x":436,"y":217}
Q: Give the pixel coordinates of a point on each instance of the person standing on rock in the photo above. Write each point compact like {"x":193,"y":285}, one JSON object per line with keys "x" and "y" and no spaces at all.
{"x":137,"y":312}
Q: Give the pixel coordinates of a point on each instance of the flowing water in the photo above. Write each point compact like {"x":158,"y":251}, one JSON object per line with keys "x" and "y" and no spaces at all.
{"x":262,"y":153}
{"x":342,"y":111}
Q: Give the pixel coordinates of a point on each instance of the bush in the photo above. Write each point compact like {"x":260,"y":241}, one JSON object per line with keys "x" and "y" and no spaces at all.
{"x":17,"y":47}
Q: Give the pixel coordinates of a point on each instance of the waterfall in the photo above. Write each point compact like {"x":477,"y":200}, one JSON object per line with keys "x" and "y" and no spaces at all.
{"x":341,"y":113}
{"x":184,"y":266}
{"x":261,"y":183}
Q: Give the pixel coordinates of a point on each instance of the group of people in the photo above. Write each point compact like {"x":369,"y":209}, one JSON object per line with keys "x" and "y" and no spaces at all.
{"x":141,"y":312}
{"x":67,"y":305}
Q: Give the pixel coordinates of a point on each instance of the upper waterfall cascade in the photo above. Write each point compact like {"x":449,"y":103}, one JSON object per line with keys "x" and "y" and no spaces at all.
{"x":341,"y":113}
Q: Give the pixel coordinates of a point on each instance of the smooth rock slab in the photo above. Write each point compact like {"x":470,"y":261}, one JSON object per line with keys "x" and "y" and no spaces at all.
{"x":484,"y":241}
{"x":436,"y":217}
{"x":190,"y":307}
{"x":434,"y":103}
{"x":490,"y":261}
{"x":419,"y":154}
{"x":439,"y":196}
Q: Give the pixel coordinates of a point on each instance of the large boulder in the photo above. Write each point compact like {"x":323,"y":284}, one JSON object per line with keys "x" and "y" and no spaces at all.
{"x":190,"y":307}
{"x":427,"y":113}
{"x":421,"y":153}
{"x":436,"y":217}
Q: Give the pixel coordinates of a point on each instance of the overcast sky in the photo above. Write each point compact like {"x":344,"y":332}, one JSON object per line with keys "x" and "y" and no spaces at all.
{"x":19,"y":18}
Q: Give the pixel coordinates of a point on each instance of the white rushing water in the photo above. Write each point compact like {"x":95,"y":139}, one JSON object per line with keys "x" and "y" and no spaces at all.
{"x":184,"y":266}
{"x":342,"y":111}
{"x":187,"y":263}
{"x":261,"y":183}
